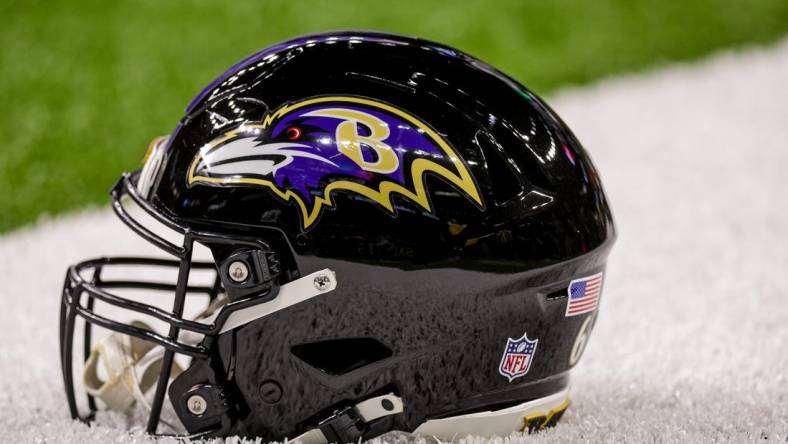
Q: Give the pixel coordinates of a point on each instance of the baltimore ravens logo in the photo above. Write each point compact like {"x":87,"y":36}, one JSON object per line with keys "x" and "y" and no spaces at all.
{"x":306,"y":151}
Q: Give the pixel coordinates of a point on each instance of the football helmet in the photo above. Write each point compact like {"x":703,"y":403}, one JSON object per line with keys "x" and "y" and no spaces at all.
{"x":400,"y":237}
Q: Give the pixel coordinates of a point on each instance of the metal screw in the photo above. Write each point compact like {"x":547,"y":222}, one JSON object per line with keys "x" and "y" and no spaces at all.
{"x":322,"y":282}
{"x":196,"y":405}
{"x":271,"y":391}
{"x":238,"y":271}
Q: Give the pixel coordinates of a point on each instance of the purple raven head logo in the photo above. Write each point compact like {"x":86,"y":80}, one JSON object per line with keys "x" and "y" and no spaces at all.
{"x":306,"y":151}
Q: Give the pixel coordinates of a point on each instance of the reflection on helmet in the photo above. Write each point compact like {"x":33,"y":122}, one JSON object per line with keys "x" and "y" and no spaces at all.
{"x":397,"y":236}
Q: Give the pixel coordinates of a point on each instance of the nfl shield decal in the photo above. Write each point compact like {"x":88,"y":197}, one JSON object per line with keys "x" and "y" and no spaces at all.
{"x":517,"y":357}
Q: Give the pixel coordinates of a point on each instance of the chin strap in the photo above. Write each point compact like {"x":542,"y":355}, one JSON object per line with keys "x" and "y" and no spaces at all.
{"x":350,"y":423}
{"x":131,"y":366}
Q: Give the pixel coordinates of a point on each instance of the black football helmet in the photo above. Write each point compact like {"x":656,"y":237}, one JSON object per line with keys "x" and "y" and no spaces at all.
{"x":401,"y":237}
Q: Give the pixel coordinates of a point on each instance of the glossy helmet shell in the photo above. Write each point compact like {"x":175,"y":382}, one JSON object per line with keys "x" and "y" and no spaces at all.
{"x":427,"y":295}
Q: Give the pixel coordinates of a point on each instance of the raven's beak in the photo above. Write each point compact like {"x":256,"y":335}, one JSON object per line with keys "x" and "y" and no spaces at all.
{"x":247,"y":157}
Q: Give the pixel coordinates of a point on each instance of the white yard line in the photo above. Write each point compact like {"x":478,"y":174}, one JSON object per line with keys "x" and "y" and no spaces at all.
{"x":692,"y":340}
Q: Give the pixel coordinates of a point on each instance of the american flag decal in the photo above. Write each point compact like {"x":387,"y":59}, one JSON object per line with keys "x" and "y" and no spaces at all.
{"x":583,"y":295}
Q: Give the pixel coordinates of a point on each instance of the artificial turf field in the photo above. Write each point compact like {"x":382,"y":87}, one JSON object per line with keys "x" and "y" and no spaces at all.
{"x":85,"y":85}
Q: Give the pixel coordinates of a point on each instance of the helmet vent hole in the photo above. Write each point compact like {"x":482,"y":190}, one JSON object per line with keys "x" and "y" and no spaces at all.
{"x":340,"y":356}
{"x":557,"y":294}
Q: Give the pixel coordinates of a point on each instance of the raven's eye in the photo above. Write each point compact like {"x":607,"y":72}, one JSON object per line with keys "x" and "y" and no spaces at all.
{"x":293,"y":133}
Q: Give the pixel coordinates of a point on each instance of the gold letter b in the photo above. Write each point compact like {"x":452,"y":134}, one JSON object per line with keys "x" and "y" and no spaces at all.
{"x":349,"y":141}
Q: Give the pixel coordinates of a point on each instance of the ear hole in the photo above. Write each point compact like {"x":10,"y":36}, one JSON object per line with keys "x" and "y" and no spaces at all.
{"x":340,"y":356}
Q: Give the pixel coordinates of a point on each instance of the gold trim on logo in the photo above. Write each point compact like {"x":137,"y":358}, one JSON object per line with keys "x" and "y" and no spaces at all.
{"x":462,"y":179}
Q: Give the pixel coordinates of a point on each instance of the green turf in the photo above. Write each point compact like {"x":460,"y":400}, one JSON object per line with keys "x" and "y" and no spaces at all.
{"x":85,"y":85}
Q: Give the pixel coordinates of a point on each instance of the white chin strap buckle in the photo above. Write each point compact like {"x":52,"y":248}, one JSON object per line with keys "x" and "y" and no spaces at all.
{"x":347,"y":425}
